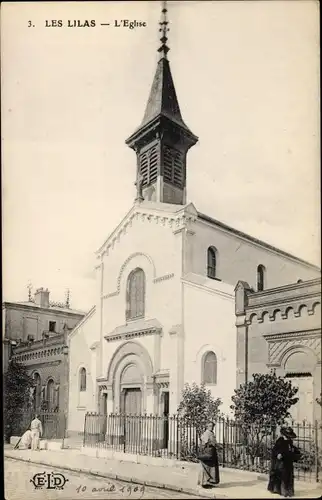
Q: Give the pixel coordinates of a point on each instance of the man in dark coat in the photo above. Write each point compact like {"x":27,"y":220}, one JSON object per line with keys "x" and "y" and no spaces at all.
{"x":284,"y":454}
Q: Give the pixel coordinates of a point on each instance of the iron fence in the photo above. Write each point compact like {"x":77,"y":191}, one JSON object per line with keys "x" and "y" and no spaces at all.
{"x":175,"y":437}
{"x":53,"y":423}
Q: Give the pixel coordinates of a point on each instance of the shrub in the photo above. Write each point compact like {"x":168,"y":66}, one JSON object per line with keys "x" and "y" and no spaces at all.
{"x":259,"y":406}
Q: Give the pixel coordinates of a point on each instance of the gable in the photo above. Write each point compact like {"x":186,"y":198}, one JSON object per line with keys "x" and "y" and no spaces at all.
{"x":174,"y":217}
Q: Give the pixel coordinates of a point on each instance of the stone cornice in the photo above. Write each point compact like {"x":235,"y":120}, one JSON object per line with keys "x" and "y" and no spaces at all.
{"x":132,"y":335}
{"x":40,"y":353}
{"x":43,"y":310}
{"x":273,"y":337}
{"x":162,"y":379}
{"x":302,"y":298}
{"x":285,"y":293}
{"x":163,"y":278}
{"x":300,"y":308}
{"x":54,"y":341}
{"x":281,"y":301}
{"x":141,"y":328}
{"x":45,"y":363}
{"x":176,"y":220}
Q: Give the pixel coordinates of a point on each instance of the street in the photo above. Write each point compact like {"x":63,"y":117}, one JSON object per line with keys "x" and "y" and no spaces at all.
{"x":21,"y":482}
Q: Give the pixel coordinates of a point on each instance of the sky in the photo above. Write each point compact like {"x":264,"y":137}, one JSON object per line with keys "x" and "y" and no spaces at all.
{"x":247,"y":79}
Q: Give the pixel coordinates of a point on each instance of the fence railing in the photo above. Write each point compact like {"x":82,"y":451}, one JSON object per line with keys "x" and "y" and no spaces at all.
{"x":53,"y":424}
{"x":174,"y":437}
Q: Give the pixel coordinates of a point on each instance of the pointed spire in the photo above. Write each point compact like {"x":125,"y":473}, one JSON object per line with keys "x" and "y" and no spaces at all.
{"x":164,"y":49}
{"x":163,"y":99}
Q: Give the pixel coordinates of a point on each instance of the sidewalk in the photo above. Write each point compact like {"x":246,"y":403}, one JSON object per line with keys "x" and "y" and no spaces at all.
{"x":233,"y":483}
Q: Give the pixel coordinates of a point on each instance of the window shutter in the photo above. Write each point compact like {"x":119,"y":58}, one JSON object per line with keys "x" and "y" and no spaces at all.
{"x":135,"y":306}
{"x":173,"y":166}
{"x":149,"y":165}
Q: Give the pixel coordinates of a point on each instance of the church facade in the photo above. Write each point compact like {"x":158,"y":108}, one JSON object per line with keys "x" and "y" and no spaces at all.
{"x":166,"y":276}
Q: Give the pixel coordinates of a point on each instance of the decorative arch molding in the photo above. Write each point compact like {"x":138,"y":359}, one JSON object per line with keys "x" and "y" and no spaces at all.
{"x":315,"y":306}
{"x":252,"y":318}
{"x":281,"y":346}
{"x":127,"y":261}
{"x":80,"y":366}
{"x":275,"y":312}
{"x":200,"y":356}
{"x":295,"y":349}
{"x":48,"y":379}
{"x":126,"y":353}
{"x":125,"y":265}
{"x":35,"y":372}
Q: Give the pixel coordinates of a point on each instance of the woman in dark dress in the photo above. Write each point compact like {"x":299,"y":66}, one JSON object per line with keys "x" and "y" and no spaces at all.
{"x":284,"y":454}
{"x":208,"y":458}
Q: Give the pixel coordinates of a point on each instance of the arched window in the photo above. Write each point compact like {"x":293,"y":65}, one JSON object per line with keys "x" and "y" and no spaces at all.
{"x":260,"y":278}
{"x":82,"y":379}
{"x":211,"y":262}
{"x":50,"y":395}
{"x":57,"y":399}
{"x":209,"y":369}
{"x":135,"y":294}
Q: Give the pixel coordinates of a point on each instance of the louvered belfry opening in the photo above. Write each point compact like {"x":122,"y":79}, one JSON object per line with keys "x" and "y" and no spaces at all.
{"x":165,"y":161}
{"x":173,"y":167}
{"x":149,"y":162}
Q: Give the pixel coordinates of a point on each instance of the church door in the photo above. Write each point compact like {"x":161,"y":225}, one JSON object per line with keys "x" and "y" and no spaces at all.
{"x":132,"y":401}
{"x":132,"y":410}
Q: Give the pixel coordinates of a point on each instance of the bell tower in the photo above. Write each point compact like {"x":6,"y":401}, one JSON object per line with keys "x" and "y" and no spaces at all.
{"x":163,"y":139}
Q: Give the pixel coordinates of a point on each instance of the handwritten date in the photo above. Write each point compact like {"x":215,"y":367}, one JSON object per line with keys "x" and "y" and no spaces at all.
{"x":112,"y":488}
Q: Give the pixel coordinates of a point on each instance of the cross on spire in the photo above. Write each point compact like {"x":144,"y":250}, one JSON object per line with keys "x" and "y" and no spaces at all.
{"x":164,"y":49}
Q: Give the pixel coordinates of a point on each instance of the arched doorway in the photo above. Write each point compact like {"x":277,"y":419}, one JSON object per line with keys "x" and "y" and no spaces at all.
{"x":37,"y":393}
{"x":299,"y":368}
{"x":51,"y":395}
{"x":130,"y":379}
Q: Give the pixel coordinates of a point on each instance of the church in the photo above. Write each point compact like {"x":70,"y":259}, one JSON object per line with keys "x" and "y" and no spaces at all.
{"x":165,"y":282}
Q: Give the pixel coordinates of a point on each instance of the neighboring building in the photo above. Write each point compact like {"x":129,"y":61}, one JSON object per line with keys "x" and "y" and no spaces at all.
{"x":280,"y":328}
{"x":36,"y":332}
{"x":165,"y":309}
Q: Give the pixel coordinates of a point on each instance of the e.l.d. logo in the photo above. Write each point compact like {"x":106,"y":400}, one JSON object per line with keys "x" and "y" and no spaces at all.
{"x":50,"y":481}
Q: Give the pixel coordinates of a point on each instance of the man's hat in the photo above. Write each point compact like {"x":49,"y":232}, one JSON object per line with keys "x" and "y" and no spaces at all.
{"x":288,"y":432}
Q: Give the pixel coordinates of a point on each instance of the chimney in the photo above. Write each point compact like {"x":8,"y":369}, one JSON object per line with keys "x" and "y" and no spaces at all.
{"x":42,"y":297}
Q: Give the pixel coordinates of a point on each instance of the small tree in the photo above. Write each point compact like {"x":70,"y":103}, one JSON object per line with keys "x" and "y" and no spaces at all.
{"x":17,"y":385}
{"x":196,"y":409}
{"x":260,"y":406}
